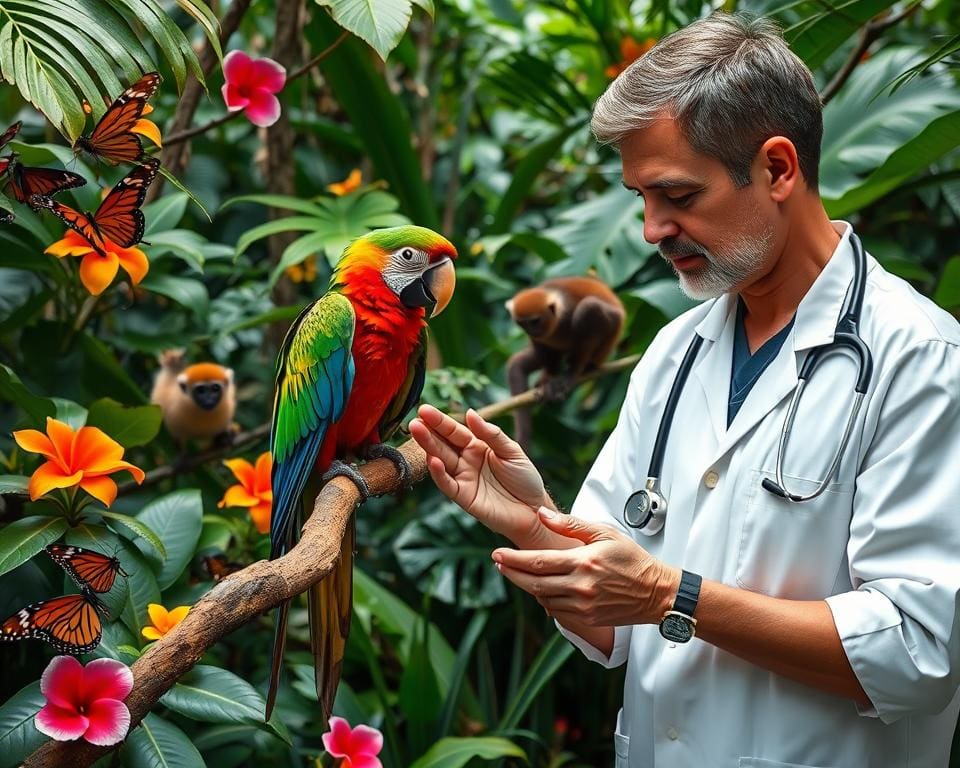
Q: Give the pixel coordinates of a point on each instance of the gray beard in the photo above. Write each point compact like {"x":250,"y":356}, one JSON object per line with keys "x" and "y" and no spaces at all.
{"x":725,"y":270}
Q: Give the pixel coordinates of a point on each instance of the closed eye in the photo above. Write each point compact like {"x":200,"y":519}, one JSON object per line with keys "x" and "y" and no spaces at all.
{"x":682,"y":201}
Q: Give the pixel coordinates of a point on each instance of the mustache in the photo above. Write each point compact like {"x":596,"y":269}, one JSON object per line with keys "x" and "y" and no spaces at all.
{"x":670,"y":247}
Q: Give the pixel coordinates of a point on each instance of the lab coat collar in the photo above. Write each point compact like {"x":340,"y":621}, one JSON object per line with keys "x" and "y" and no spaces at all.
{"x":815,"y":324}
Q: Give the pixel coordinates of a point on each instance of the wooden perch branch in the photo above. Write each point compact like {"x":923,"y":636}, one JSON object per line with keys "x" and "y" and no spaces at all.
{"x":261,"y":586}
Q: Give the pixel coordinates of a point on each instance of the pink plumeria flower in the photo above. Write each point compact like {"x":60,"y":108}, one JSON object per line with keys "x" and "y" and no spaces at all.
{"x":356,"y":747}
{"x":251,"y":84}
{"x":85,"y":701}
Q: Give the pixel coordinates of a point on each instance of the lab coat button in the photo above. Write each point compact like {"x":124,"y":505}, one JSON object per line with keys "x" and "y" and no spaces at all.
{"x":711,"y":479}
{"x":672,"y":733}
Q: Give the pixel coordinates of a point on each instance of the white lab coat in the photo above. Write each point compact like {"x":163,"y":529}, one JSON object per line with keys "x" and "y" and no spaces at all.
{"x":882,"y":545}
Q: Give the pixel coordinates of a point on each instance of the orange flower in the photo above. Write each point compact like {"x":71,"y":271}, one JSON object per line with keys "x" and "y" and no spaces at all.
{"x":163,"y":620}
{"x":348,"y":185}
{"x":147,"y":128}
{"x":96,"y":271}
{"x":630,"y":51}
{"x":254,"y":489}
{"x":83,"y":458}
{"x":304,"y":272}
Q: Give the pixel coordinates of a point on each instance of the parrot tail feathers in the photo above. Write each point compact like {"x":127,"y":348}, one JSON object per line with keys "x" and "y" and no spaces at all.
{"x":331,"y":608}
{"x":279,"y":643}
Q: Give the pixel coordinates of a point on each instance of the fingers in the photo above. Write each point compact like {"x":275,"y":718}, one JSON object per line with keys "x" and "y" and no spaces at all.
{"x":574,"y":527}
{"x":541,"y":587}
{"x":427,"y":439}
{"x":536,"y":562}
{"x":452,"y":431}
{"x":498,"y":440}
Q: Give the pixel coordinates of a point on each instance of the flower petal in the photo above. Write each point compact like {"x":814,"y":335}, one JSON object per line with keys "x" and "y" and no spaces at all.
{"x":61,"y":436}
{"x":236,"y":66}
{"x":337,"y":740}
{"x":109,"y":722}
{"x":95,"y":451}
{"x":238,"y":496}
{"x":107,"y":679}
{"x":267,"y":74}
{"x":262,"y":471}
{"x":260,"y":514}
{"x":242,"y":470}
{"x":365,"y":761}
{"x":97,"y":272}
{"x":233,"y":97}
{"x":263,"y":109}
{"x":178,"y":614}
{"x":151,"y":633}
{"x":134,"y":262}
{"x":34,"y":441}
{"x":365,"y":740}
{"x":71,"y":244}
{"x":103,"y":489}
{"x":49,"y":476}
{"x":60,"y":724}
{"x":158,"y":616}
{"x":62,"y":681}
{"x":149,"y":129}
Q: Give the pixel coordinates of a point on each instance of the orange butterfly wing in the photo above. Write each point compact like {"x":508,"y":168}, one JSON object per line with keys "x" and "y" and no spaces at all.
{"x":118,"y":219}
{"x":26,"y":181}
{"x":86,"y":567}
{"x":112,"y":138}
{"x":70,"y":623}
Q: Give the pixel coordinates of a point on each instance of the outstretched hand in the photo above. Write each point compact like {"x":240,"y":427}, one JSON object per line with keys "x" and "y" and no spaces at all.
{"x":484,"y":471}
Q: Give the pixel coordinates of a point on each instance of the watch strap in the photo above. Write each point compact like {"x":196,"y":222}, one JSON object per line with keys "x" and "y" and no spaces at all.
{"x":688,"y":594}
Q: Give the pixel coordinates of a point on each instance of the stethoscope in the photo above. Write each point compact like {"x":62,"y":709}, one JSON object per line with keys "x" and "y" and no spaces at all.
{"x":646,"y":509}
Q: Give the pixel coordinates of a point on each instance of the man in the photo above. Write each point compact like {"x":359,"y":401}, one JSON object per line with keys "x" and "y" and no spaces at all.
{"x":825,"y":630}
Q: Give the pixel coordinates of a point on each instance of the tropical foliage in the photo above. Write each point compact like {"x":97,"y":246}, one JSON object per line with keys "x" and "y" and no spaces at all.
{"x":467,"y":116}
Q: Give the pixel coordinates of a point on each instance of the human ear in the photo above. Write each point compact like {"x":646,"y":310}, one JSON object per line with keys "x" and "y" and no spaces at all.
{"x":780,"y":167}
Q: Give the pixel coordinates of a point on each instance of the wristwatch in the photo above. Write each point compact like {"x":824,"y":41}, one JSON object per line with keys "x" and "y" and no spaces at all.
{"x":678,"y":624}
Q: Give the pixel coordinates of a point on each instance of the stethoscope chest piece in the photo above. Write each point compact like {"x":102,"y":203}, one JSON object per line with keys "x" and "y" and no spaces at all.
{"x":646,"y":509}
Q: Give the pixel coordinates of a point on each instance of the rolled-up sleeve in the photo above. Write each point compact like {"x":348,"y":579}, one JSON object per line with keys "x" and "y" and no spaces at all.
{"x":899,"y":626}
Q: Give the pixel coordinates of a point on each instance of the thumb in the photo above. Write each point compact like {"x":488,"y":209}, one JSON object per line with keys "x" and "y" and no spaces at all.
{"x":572,"y":527}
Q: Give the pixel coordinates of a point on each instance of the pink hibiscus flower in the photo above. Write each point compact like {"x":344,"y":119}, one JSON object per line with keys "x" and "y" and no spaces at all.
{"x":251,"y":84}
{"x":85,"y":701}
{"x":356,"y":747}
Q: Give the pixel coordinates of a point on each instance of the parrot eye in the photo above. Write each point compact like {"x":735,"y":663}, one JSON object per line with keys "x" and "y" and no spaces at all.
{"x":407,"y":254}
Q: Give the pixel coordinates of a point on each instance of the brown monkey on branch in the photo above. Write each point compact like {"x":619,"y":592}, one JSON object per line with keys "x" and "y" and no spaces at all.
{"x":573,"y":324}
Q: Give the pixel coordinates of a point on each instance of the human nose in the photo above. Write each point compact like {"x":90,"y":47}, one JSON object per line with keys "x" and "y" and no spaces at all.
{"x":657,"y":225}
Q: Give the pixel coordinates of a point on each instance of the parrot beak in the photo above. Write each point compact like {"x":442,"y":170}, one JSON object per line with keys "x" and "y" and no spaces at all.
{"x":432,"y":290}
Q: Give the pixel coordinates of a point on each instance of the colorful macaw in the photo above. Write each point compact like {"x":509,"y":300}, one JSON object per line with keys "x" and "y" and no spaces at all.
{"x":350,"y":368}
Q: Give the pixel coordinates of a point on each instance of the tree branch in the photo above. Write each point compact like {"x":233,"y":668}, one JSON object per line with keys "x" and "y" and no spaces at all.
{"x":261,"y":586}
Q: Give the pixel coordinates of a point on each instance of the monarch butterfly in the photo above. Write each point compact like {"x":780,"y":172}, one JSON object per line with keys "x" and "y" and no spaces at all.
{"x":5,"y":139}
{"x":112,"y":137}
{"x":71,"y":623}
{"x":118,"y":219}
{"x":89,"y":569}
{"x":26,"y":181}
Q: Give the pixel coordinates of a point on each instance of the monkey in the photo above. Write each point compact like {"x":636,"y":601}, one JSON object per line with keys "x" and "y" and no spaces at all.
{"x":573,"y":324}
{"x":198,"y":401}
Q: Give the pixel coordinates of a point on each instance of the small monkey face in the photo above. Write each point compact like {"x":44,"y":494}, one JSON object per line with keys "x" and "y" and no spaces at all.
{"x":533,"y":325}
{"x":206,"y":394}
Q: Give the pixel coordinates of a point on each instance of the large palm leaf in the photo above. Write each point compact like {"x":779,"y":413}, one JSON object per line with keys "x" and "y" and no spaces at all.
{"x":60,"y":53}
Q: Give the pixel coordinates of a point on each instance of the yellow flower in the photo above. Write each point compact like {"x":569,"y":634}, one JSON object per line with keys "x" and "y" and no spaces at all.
{"x":83,"y":458}
{"x":147,"y":128}
{"x":163,"y":620}
{"x":304,"y":272}
{"x":348,"y":185}
{"x":96,"y":271}
{"x":253,"y":490}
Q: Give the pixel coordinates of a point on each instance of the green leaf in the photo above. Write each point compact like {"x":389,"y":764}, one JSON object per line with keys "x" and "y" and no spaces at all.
{"x":183,"y":188}
{"x":13,"y":390}
{"x":470,"y":636}
{"x":138,"y":527}
{"x":176,"y":519}
{"x":186,"y":291}
{"x":24,"y":538}
{"x":381,"y":24}
{"x":827,"y":25}
{"x":19,"y":736}
{"x":419,"y":695}
{"x":947,"y":294}
{"x":157,"y":743}
{"x":457,"y":752}
{"x":14,"y":484}
{"x":552,"y":656}
{"x":164,"y":214}
{"x":104,"y":375}
{"x":141,"y":588}
{"x":70,"y":413}
{"x":214,"y":695}
{"x":128,"y":426}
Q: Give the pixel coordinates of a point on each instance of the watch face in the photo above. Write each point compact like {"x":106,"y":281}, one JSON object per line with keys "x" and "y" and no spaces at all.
{"x":677,"y":628}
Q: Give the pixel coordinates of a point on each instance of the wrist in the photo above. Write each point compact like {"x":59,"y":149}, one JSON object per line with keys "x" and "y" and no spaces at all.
{"x":665,"y":593}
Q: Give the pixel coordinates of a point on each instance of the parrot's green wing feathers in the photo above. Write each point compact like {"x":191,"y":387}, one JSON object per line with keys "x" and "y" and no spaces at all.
{"x":314,"y":377}
{"x":409,"y":394}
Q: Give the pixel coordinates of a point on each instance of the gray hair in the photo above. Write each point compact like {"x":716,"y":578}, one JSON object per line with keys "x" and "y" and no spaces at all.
{"x":731,"y":82}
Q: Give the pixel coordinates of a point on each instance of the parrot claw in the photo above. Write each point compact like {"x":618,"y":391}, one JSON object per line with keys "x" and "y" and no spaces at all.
{"x":383,"y":451}
{"x":340,"y":469}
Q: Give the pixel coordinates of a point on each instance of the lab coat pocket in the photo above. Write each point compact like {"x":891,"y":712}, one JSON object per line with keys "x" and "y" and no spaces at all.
{"x":758,"y":762}
{"x":793,"y":549}
{"x":621,"y":744}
